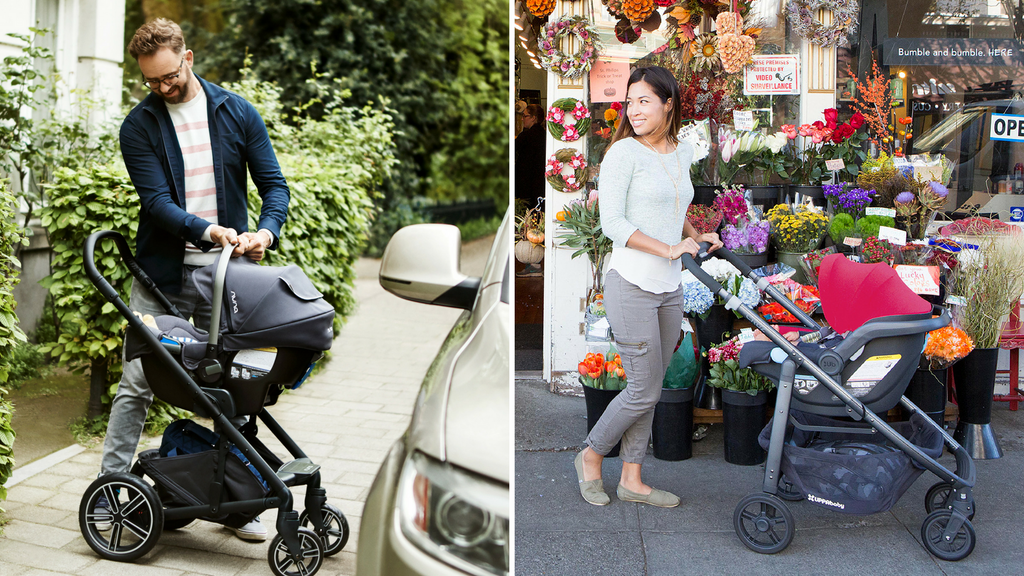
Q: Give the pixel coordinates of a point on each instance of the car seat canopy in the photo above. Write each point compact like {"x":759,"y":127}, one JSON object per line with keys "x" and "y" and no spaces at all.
{"x":852,"y":293}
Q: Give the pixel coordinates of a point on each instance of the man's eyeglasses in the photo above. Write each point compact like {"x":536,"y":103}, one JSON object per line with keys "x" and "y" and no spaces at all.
{"x":167,"y":80}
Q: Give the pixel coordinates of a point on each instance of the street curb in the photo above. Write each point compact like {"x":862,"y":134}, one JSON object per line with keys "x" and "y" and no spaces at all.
{"x":29,"y":470}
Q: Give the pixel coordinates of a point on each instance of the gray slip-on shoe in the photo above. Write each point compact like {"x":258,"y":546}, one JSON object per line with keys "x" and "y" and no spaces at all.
{"x":592,"y":490}
{"x":658,"y":498}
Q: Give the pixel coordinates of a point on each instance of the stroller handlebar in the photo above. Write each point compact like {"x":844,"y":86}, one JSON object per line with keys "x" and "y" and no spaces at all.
{"x":138,"y":273}
{"x":693,"y":263}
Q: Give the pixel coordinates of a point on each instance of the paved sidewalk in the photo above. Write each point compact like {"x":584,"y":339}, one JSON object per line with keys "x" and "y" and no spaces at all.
{"x":345,"y":418}
{"x":559,"y":534}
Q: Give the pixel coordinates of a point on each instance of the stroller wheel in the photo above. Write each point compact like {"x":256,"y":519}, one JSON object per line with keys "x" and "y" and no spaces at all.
{"x":312,"y":552}
{"x":764,"y":523}
{"x":787,"y":491}
{"x":957,"y":547}
{"x":937,"y":498}
{"x":121,"y":517}
{"x":337,"y":528}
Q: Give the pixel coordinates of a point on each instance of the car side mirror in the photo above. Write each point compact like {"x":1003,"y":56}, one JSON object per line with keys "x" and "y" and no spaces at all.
{"x":421,"y":263}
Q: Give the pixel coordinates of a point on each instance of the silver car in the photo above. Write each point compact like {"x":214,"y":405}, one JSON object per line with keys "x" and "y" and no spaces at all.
{"x":440,"y":501}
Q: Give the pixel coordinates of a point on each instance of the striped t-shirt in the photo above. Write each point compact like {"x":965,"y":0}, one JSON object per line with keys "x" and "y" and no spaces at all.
{"x":192,"y":127}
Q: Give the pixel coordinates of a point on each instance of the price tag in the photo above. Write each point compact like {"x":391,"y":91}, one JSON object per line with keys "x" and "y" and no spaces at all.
{"x":743,"y":119}
{"x":876,"y":211}
{"x":835,"y":165}
{"x":892,"y":235}
{"x":920,"y":279}
{"x":746,"y":335}
{"x":956,"y":300}
{"x":851,"y":241}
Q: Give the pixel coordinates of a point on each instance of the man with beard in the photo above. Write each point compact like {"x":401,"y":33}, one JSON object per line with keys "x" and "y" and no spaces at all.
{"x":187,"y":146}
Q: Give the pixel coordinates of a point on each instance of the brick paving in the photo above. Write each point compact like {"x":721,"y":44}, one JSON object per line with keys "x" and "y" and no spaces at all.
{"x":345,"y":418}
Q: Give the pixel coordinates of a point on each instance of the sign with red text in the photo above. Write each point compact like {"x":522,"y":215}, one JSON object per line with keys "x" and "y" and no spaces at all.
{"x":777,"y":74}
{"x":608,"y":81}
{"x":920,"y":279}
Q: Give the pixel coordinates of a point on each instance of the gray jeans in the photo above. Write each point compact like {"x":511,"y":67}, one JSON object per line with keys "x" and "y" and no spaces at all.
{"x":646,"y":328}
{"x":133,"y":398}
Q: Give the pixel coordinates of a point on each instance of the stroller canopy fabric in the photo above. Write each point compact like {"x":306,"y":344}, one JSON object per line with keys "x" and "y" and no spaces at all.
{"x":852,"y":293}
{"x":268,"y":306}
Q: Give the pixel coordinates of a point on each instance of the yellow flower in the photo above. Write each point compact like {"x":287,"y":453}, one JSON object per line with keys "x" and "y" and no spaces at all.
{"x":610,"y":115}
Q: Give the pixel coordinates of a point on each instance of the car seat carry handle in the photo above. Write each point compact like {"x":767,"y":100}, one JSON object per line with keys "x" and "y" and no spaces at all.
{"x":138,"y":273}
{"x":218,"y":297}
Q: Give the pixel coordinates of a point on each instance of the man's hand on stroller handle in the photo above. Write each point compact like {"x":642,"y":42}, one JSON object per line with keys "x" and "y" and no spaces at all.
{"x":258,"y":242}
{"x":227,"y":237}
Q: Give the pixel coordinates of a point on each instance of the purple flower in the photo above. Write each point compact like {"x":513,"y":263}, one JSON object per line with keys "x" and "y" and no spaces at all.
{"x":905,"y":197}
{"x":938,"y":189}
{"x":833,"y":189}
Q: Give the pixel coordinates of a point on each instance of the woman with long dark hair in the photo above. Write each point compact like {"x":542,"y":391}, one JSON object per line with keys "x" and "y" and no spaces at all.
{"x":645,"y":190}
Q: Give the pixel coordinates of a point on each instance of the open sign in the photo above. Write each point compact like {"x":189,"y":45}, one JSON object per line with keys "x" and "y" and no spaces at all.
{"x":1007,"y":127}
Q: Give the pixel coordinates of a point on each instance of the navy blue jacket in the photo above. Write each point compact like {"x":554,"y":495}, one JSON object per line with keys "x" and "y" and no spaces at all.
{"x":152,"y":155}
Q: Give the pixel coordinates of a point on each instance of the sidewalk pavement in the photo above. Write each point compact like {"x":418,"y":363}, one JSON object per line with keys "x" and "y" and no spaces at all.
{"x":557,"y":533}
{"x":345,"y":418}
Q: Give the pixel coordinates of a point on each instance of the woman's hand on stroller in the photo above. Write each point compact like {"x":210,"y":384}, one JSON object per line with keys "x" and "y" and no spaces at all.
{"x":711,"y":238}
{"x":687,"y":246}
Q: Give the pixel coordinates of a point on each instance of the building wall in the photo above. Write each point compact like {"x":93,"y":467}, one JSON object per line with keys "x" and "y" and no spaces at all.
{"x":86,"y":38}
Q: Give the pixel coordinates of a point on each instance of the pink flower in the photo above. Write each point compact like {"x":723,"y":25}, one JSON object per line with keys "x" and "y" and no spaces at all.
{"x":806,"y":130}
{"x":592,"y":199}
{"x":570,"y":134}
{"x":617,"y":106}
{"x":790,"y":130}
{"x":556,"y":115}
{"x":729,"y":148}
{"x":577,"y":162}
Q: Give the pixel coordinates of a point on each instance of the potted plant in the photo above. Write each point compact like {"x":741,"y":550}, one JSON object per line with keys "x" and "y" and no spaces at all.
{"x":672,"y":430}
{"x":744,"y":233}
{"x":582,"y":224}
{"x":772,"y":161}
{"x":738,"y":150}
{"x":796,"y":230}
{"x":744,"y":403}
{"x":603,"y":378}
{"x":916,"y":207}
{"x":806,"y":163}
{"x":847,"y":144}
{"x":711,"y":320}
{"x":875,"y":250}
{"x":927,"y":389}
{"x":982,"y":286}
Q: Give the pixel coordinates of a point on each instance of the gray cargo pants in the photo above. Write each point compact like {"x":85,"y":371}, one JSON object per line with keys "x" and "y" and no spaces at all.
{"x":646,"y":328}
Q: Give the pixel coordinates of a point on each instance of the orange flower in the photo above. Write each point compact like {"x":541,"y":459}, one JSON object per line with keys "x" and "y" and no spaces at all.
{"x":948,"y":344}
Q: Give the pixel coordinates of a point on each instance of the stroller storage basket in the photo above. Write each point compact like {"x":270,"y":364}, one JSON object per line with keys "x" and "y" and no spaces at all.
{"x":855,"y":473}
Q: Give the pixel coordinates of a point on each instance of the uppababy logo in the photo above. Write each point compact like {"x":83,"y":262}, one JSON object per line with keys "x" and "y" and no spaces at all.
{"x":817,"y":500}
{"x":234,"y":303}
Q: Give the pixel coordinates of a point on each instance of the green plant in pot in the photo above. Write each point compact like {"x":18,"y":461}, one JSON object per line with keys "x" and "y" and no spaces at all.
{"x":982,"y":285}
{"x":727,"y":374}
{"x":744,"y":400}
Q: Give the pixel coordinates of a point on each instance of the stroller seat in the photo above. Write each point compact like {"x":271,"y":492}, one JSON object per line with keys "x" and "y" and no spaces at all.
{"x":874,"y":361}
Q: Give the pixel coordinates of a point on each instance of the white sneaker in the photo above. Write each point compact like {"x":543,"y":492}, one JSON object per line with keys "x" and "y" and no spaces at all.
{"x":253,"y":531}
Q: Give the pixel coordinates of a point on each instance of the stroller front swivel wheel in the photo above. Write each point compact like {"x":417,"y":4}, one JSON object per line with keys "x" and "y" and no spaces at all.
{"x":952,"y":547}
{"x":764,"y":523}
{"x":121,"y":517}
{"x":938,"y":496}
{"x":337,"y":530}
{"x":311,"y":555}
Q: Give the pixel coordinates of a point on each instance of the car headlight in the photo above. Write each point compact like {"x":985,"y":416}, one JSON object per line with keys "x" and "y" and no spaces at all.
{"x":454,"y":515}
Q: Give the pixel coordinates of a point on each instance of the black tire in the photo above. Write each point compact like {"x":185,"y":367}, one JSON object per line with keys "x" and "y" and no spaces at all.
{"x":337,"y":528}
{"x":135,"y":517}
{"x":961,"y":545}
{"x":312,"y":555}
{"x":787,"y":491}
{"x":764,"y":523}
{"x":937,"y":498}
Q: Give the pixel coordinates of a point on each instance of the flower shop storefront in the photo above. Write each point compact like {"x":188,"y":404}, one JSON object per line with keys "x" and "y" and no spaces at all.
{"x":889,"y":133}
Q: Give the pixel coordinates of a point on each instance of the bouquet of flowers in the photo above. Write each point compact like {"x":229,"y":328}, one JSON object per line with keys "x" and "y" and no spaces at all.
{"x":738,"y":151}
{"x":880,"y":174}
{"x":915,"y":207}
{"x":704,"y":219}
{"x":845,"y":200}
{"x":698,"y":299}
{"x":602,"y":373}
{"x":945,"y":346}
{"x":726,"y":373}
{"x":846,"y":144}
{"x":812,"y":261}
{"x":808,"y":167}
{"x":772,"y":160}
{"x":875,"y":250}
{"x":797,"y":228}
{"x":986,"y":282}
{"x":744,"y":232}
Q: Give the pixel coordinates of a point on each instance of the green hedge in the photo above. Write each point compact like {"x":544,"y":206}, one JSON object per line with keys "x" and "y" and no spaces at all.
{"x":11,"y":235}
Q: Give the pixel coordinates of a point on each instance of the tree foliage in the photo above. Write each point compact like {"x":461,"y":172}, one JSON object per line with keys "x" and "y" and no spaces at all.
{"x":10,"y":334}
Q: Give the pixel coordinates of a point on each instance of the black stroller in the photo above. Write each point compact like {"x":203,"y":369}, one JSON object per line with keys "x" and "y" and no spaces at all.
{"x":268,"y":327}
{"x":858,"y":467}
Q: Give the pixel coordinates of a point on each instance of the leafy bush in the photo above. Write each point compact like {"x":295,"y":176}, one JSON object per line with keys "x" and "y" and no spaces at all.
{"x":23,"y":363}
{"x":333,"y":166}
{"x":840,"y":228}
{"x":398,"y":214}
{"x":11,"y":335}
{"x":96,"y":197}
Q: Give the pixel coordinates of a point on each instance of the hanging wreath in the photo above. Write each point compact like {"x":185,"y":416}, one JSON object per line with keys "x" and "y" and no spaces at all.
{"x":568,"y":119}
{"x":569,"y":65}
{"x":803,"y":16}
{"x":567,"y":171}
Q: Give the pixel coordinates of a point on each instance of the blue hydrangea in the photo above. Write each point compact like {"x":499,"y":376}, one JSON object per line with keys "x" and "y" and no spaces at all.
{"x":749,"y":294}
{"x":697,"y":298}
